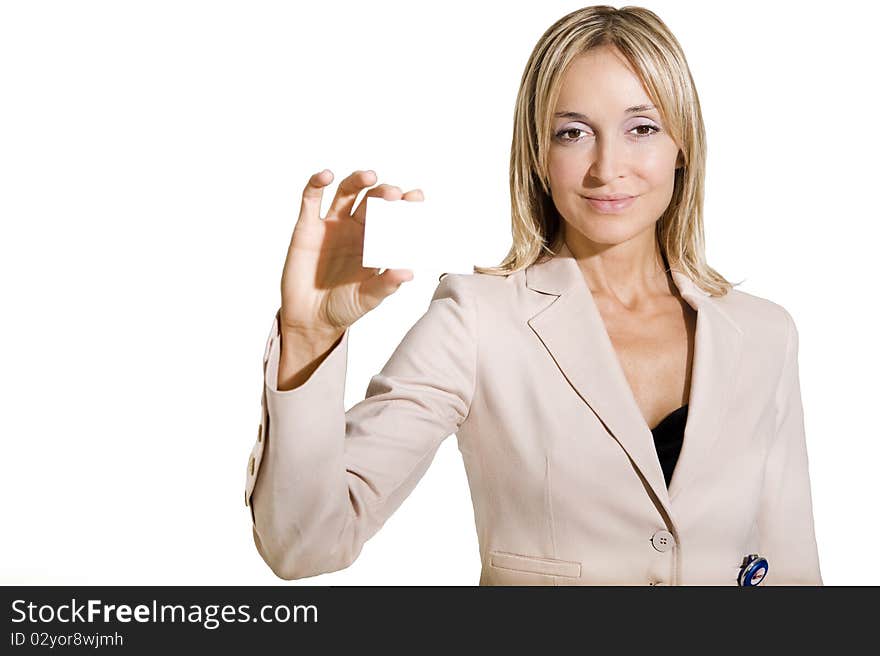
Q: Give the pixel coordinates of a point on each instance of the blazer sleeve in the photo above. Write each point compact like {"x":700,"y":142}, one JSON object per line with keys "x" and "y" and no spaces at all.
{"x":321,"y":481}
{"x":785,"y":522}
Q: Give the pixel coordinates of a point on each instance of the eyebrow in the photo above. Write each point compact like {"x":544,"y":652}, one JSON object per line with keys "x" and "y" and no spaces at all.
{"x":583,"y":117}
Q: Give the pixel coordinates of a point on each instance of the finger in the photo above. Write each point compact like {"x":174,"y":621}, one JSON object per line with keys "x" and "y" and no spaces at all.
{"x":377,"y":288}
{"x":386,"y":191}
{"x":402,"y":275}
{"x":349,"y":188}
{"x":310,"y":209}
{"x":414,"y":194}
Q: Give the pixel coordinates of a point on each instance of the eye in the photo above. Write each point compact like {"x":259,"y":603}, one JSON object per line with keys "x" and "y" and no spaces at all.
{"x":564,"y":139}
{"x":654,"y":130}
{"x":562,"y":134}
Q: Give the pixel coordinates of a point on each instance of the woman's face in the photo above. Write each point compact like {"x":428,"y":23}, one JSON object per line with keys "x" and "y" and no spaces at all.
{"x":608,"y":140}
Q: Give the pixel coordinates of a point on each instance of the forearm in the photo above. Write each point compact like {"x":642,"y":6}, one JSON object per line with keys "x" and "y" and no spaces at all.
{"x":300,"y":501}
{"x":302,"y":353}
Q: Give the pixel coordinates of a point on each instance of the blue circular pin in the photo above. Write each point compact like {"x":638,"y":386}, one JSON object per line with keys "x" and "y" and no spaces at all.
{"x":753,"y":570}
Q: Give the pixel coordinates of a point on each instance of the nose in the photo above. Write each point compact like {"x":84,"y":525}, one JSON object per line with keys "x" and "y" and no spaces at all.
{"x":608,"y":159}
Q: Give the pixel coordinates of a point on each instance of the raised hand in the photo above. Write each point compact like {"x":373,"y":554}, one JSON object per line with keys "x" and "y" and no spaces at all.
{"x":324,"y":288}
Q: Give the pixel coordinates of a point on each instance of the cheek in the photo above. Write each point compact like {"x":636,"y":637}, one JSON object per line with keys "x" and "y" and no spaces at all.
{"x":655,"y":183}
{"x":565,"y":166}
{"x":652,"y":162}
{"x":657,"y":167}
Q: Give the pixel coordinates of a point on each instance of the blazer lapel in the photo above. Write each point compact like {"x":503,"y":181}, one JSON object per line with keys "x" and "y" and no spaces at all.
{"x":715,"y":370}
{"x":573,"y":331}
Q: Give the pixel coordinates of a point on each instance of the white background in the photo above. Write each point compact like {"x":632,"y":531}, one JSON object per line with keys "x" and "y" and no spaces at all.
{"x":152,"y":157}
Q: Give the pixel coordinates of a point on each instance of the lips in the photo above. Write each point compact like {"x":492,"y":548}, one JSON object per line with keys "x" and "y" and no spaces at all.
{"x":613,"y":206}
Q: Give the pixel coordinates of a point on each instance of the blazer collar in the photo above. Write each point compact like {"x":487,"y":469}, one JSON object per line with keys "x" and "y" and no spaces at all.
{"x":573,"y":331}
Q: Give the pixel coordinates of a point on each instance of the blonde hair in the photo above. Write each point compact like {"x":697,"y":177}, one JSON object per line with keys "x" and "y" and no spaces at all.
{"x":655,"y":54}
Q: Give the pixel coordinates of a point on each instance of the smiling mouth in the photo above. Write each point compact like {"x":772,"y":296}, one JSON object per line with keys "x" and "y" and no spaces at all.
{"x":609,"y":198}
{"x":613,"y":206}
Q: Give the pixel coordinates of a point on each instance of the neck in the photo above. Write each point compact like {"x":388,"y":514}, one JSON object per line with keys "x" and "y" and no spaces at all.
{"x":631,"y":271}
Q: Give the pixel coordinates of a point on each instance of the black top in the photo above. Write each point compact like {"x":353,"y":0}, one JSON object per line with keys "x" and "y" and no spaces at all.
{"x":668,"y":437}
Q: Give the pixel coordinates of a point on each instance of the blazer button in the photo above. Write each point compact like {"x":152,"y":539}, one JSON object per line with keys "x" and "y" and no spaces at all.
{"x":663,"y":540}
{"x":251,"y":466}
{"x":260,"y":433}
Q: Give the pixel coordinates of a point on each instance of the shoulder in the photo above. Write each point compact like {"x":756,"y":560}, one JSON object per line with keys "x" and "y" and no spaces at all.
{"x":479,"y":286}
{"x":498,"y":301}
{"x":760,"y":319}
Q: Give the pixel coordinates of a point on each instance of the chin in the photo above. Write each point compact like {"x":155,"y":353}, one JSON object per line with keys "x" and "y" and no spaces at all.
{"x":607,"y":231}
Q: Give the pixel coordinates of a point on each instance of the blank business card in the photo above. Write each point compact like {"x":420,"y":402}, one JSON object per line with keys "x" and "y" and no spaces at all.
{"x":402,"y":234}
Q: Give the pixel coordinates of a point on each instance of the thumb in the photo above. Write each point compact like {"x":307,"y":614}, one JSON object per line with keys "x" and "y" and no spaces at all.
{"x":377,"y":288}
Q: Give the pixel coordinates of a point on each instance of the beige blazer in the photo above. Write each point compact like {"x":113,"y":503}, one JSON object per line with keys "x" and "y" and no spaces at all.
{"x":566,"y":483}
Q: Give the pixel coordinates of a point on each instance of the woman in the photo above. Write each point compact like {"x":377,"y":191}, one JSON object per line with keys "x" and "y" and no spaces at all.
{"x":625,"y":416}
